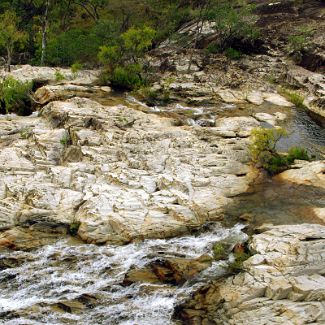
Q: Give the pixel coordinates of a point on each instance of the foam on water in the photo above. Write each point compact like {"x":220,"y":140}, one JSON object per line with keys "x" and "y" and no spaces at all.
{"x":61,"y":272}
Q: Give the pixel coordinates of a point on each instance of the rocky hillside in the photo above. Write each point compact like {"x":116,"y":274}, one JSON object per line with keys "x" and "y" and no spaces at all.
{"x":289,"y":53}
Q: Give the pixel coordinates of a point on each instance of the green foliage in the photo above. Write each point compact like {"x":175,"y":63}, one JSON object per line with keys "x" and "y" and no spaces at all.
{"x":10,"y":36}
{"x":293,"y":97}
{"x":263,"y":150}
{"x":122,"y":61}
{"x":234,"y":20}
{"x":127,"y":77}
{"x":78,"y":44}
{"x":76,"y":67}
{"x":213,"y":48}
{"x":109,"y":55}
{"x":59,"y":76}
{"x":219,"y":251}
{"x":301,"y":38}
{"x":65,"y":140}
{"x":138,"y":40}
{"x":297,"y":153}
{"x":15,"y":95}
{"x":275,"y":163}
{"x":73,"y":229}
{"x":233,"y":54}
{"x":239,"y":259}
{"x":264,"y":142}
{"x":147,"y":94}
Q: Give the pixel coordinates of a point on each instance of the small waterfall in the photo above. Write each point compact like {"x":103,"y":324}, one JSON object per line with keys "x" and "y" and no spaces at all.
{"x":65,"y":272}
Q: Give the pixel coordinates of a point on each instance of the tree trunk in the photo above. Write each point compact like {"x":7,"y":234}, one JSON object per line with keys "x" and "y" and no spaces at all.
{"x":44,"y":31}
{"x":9,"y":57}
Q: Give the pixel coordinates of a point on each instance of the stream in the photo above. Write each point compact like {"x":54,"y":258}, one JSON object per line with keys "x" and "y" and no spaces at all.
{"x":37,"y":291}
{"x":70,"y":282}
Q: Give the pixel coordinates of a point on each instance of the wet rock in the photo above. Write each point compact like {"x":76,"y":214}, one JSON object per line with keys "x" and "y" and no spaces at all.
{"x":28,"y":238}
{"x":286,"y":274}
{"x":277,"y":99}
{"x":173,"y":271}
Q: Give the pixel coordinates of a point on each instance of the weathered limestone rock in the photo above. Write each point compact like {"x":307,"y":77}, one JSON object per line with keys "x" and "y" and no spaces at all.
{"x":271,"y":119}
{"x":46,"y":75}
{"x":50,"y":93}
{"x":283,"y":283}
{"x":236,"y":126}
{"x":312,"y":173}
{"x":120,"y":173}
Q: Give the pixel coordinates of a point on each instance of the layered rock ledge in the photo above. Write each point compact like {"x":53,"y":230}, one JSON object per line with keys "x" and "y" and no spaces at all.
{"x":282,"y":283}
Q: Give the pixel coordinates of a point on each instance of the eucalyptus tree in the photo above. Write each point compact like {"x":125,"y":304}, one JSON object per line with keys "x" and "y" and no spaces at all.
{"x":11,"y":37}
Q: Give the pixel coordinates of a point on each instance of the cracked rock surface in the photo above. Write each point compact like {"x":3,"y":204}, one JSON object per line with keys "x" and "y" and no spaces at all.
{"x":122,"y":174}
{"x":282,"y":283}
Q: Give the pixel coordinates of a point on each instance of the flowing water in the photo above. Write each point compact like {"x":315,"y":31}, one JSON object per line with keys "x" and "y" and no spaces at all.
{"x":302,"y":130}
{"x":47,"y":286}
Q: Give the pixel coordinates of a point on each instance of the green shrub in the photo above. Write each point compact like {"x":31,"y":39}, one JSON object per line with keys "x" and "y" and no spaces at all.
{"x":293,"y":97}
{"x":234,"y":20}
{"x":237,"y":264}
{"x":76,"y":67}
{"x":65,"y":140}
{"x":128,"y":77}
{"x":276,"y":164}
{"x":301,"y":38}
{"x":263,"y":151}
{"x":233,"y":54}
{"x":219,"y":251}
{"x":297,"y":153}
{"x":117,"y":58}
{"x":15,"y":95}
{"x":264,"y":143}
{"x":213,"y":48}
{"x":59,"y":76}
{"x":147,"y":94}
{"x":73,"y":229}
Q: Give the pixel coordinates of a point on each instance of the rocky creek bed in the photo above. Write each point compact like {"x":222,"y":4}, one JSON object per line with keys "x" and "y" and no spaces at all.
{"x":146,"y":192}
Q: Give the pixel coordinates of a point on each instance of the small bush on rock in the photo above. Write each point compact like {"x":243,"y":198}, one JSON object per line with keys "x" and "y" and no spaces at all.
{"x":297,"y":153}
{"x":122,"y":61}
{"x":239,"y":259}
{"x":263,"y":151}
{"x":59,"y":76}
{"x":219,"y":251}
{"x":293,"y":97}
{"x":15,"y":96}
{"x":127,"y":77}
{"x":233,"y":54}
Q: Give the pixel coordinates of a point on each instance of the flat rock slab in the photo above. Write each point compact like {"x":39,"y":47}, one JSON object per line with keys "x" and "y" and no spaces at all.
{"x":117,"y":172}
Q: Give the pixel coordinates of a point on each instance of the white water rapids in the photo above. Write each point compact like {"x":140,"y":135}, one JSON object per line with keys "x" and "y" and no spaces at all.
{"x":64,"y":272}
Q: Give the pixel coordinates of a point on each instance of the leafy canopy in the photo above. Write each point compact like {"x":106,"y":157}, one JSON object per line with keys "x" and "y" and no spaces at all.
{"x":10,"y":35}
